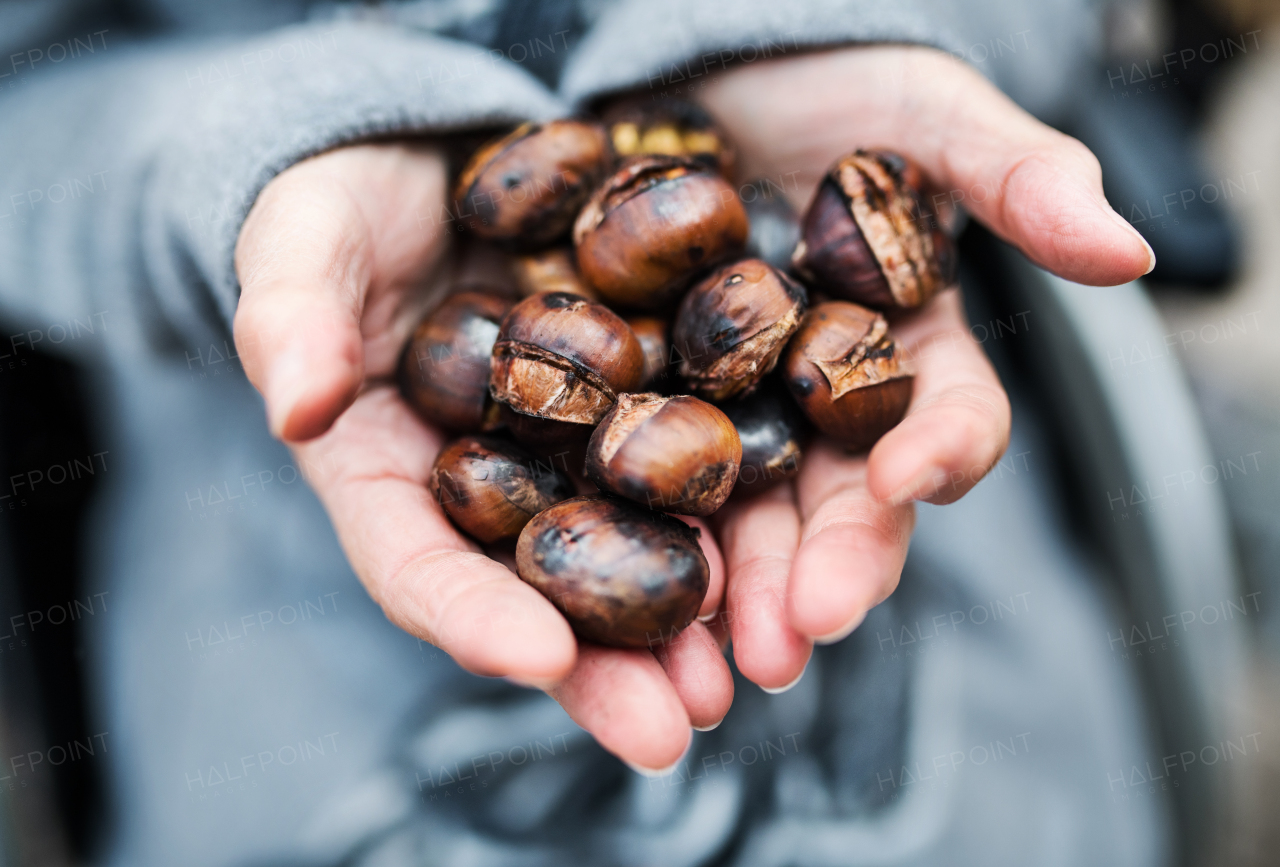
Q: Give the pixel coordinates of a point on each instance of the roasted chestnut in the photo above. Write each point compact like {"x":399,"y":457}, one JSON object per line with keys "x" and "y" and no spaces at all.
{"x":677,"y":127}
{"x":848,"y":374}
{"x":524,"y":189}
{"x":733,"y":325}
{"x":444,"y":371}
{"x":652,"y":334}
{"x":621,"y":574}
{"x":651,"y":225}
{"x":773,"y":432}
{"x":677,"y":454}
{"x":871,"y":238}
{"x":551,"y":270}
{"x":491,"y":488}
{"x":563,"y":358}
{"x":775,"y":225}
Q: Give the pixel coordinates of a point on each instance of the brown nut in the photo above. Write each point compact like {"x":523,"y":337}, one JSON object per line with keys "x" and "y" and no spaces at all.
{"x":652,"y":334}
{"x":563,"y":358}
{"x":621,"y":574}
{"x":444,"y":371}
{"x":524,"y":189}
{"x":652,"y":225}
{"x":773,"y":432}
{"x":869,"y":237}
{"x":733,"y":325}
{"x":848,"y":374}
{"x":677,"y":454}
{"x":491,"y":488}
{"x":675,"y":127}
{"x":551,"y":270}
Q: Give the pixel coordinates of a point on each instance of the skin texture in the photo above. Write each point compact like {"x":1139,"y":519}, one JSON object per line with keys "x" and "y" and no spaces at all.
{"x":333,"y":246}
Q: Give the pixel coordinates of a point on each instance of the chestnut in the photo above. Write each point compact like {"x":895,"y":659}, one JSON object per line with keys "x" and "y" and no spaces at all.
{"x":490,"y":488}
{"x":677,"y":127}
{"x":621,"y":574}
{"x":652,"y":334}
{"x":651,"y":225}
{"x":871,"y":238}
{"x":550,"y":270}
{"x":775,"y":225}
{"x":847,"y":373}
{"x":733,"y":325}
{"x":444,"y":370}
{"x":563,"y":358}
{"x":773,"y":432}
{"x":677,"y":454}
{"x":523,"y":190}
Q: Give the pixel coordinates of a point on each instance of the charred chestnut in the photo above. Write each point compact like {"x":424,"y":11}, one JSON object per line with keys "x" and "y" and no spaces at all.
{"x":677,"y":454}
{"x":491,"y":488}
{"x":848,"y":374}
{"x":674,"y":127}
{"x":524,"y":189}
{"x":733,"y":325}
{"x":773,"y":433}
{"x":652,"y":334}
{"x":551,"y":270}
{"x":775,"y":225}
{"x":563,"y":358}
{"x":651,"y":225}
{"x":871,"y":238}
{"x":444,"y":371}
{"x":621,"y":574}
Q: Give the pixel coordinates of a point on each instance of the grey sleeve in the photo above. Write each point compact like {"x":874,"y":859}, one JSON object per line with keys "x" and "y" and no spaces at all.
{"x":125,"y":176}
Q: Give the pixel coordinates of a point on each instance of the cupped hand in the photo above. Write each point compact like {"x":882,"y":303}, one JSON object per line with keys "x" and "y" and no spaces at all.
{"x":807,"y":561}
{"x":332,"y":261}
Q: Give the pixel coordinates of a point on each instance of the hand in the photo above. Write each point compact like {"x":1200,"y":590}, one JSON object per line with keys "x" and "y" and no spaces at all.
{"x":807,"y":562}
{"x":332,"y":260}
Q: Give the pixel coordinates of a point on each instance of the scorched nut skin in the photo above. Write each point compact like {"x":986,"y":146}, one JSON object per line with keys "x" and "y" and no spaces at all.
{"x":869,"y":237}
{"x":444,"y":371}
{"x":523,"y":190}
{"x":678,"y":454}
{"x":490,"y":488}
{"x":848,"y":374}
{"x":774,"y":434}
{"x":563,"y":358}
{"x":733,"y":325}
{"x":651,"y":225}
{"x":621,"y":574}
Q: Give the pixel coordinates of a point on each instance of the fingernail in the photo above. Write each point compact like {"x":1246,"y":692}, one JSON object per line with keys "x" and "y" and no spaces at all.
{"x":779,"y":690}
{"x":1151,"y":254}
{"x":841,"y":633}
{"x":543,"y":684}
{"x":715,"y":725}
{"x":285,"y":385}
{"x":661,"y":772}
{"x":922,"y":484}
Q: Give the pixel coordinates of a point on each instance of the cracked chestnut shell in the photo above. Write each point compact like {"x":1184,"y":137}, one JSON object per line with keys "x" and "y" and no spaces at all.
{"x":677,"y":454}
{"x":733,"y":325}
{"x":563,"y":358}
{"x":490,"y":488}
{"x":651,"y":225}
{"x":621,"y":574}
{"x":676,"y":127}
{"x":651,"y":331}
{"x":847,"y":373}
{"x":871,"y":238}
{"x":444,"y":370}
{"x":524,"y":189}
{"x":774,"y":434}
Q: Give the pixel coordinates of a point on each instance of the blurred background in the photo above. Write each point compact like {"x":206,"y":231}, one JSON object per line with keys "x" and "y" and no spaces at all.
{"x":1183,"y":112}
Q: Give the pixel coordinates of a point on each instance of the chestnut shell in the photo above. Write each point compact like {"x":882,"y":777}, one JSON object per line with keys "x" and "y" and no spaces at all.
{"x":444,"y":370}
{"x":651,"y":331}
{"x":847,"y":373}
{"x":678,"y":454}
{"x":491,"y":488}
{"x":554,"y":166}
{"x":774,"y":434}
{"x":651,"y":225}
{"x":621,"y":574}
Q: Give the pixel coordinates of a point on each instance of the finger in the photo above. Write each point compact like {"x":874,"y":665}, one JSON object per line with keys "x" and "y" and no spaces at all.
{"x":624,"y":699}
{"x":370,"y":471}
{"x":852,"y":549}
{"x":699,"y":674}
{"x":1030,"y":184}
{"x":715,"y":565}
{"x":760,"y":537}
{"x":957,"y":425}
{"x":322,"y":257}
